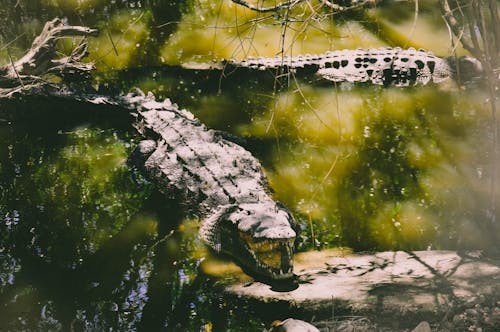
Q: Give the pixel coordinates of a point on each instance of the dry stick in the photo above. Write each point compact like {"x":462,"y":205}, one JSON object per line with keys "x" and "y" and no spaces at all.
{"x":414,"y":24}
{"x":283,"y":36}
{"x":281,"y":5}
{"x":12,"y":41}
{"x":112,"y":42}
{"x":14,"y":68}
{"x":487,"y":56}
{"x":311,"y":107}
{"x":121,"y":37}
{"x":331,"y":5}
{"x":327,"y":175}
{"x":477,"y":51}
{"x":492,"y":4}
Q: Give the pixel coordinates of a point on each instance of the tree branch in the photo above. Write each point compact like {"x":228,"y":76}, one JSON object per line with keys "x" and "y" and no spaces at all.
{"x":353,"y":6}
{"x":456,"y":27}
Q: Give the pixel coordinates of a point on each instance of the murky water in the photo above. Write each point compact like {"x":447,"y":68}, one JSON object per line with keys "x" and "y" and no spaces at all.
{"x":87,"y":244}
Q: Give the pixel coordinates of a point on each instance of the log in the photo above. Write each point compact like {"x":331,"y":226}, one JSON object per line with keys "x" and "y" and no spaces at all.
{"x":42,"y":59}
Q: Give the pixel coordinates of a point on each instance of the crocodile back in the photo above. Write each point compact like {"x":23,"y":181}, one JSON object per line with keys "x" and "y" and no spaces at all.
{"x":195,"y":162}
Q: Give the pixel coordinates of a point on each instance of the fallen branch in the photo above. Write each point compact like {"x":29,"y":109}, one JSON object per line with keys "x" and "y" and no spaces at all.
{"x":42,"y":59}
{"x":456,"y":27}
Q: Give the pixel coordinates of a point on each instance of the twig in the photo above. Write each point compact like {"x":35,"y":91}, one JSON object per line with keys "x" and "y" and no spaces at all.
{"x":160,"y":241}
{"x":339,"y":9}
{"x":14,"y":68}
{"x":112,"y":42}
{"x":492,"y":4}
{"x":42,"y":58}
{"x":281,"y":5}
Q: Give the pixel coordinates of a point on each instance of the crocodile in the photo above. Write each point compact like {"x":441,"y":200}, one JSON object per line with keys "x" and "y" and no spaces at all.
{"x":223,"y":182}
{"x":381,"y":66}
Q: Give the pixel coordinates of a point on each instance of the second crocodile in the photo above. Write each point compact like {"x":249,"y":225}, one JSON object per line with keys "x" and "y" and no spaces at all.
{"x":381,"y":66}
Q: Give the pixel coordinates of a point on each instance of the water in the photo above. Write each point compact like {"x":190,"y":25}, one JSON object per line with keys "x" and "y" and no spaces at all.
{"x":86,"y":243}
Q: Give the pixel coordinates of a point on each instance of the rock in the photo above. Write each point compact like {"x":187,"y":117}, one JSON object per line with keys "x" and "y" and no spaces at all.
{"x":292,"y":325}
{"x":386,"y":287}
{"x":422,"y":327}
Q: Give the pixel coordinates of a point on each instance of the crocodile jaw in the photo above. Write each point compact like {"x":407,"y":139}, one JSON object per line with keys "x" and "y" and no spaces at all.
{"x":260,"y":237}
{"x":270,"y":258}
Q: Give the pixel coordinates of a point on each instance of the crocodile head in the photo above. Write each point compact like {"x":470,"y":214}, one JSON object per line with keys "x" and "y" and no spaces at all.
{"x":259,"y":236}
{"x":468,"y":70}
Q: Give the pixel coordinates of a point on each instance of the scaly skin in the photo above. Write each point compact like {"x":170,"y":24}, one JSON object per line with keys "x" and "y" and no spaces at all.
{"x":382,"y":66}
{"x":222,"y":181}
